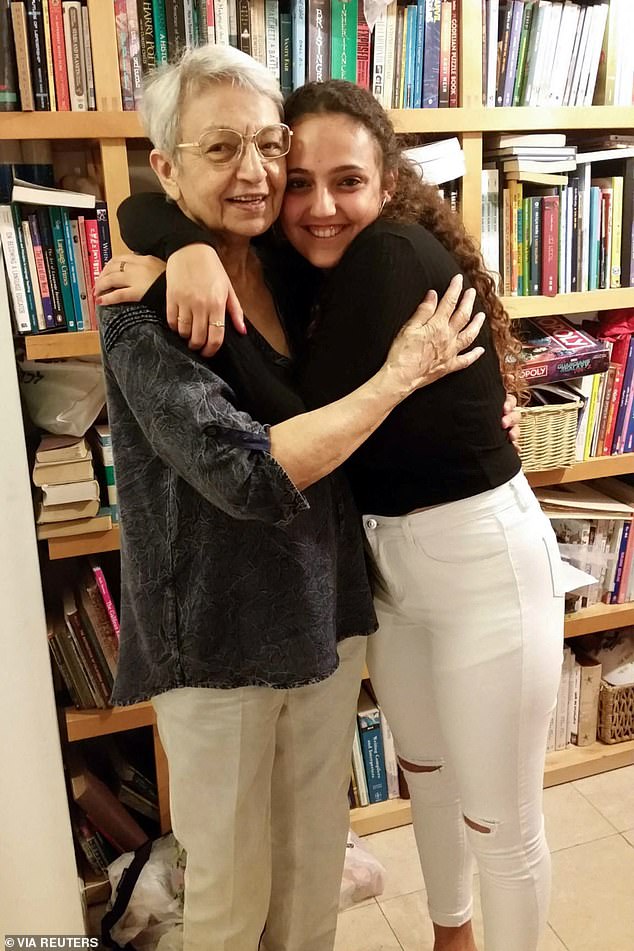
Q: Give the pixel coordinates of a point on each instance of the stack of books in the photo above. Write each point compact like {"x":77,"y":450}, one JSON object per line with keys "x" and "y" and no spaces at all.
{"x":55,"y":243}
{"x":576,"y":713}
{"x":83,"y":637}
{"x":593,"y":529}
{"x":102,"y":446}
{"x":557,"y":218}
{"x":547,"y":53}
{"x":68,"y":498}
{"x":440,"y":163}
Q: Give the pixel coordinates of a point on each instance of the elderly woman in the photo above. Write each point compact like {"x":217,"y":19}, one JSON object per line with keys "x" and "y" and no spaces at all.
{"x":244,"y":591}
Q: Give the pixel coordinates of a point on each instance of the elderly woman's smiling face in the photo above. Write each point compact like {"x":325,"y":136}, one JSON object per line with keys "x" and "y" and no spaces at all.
{"x":242,"y":197}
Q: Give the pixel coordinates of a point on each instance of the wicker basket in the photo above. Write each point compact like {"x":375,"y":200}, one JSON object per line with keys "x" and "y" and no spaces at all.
{"x":548,"y":435}
{"x":616,"y":713}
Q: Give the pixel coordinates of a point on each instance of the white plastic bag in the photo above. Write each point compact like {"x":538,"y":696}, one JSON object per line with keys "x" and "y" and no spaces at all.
{"x":363,"y":874}
{"x":156,"y":905}
{"x":63,"y":397}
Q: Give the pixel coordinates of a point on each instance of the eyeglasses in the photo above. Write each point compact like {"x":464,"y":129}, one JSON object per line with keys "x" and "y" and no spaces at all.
{"x":225,"y":146}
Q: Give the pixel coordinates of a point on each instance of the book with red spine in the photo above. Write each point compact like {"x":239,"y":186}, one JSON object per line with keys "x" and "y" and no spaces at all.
{"x":363,"y":50}
{"x":445,"y":54}
{"x":58,"y":49}
{"x":550,"y":245}
{"x":615,"y":398}
{"x":89,"y":273}
{"x":104,"y":591}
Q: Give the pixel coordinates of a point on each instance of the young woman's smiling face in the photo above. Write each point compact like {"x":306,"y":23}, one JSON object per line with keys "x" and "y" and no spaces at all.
{"x":335,"y":186}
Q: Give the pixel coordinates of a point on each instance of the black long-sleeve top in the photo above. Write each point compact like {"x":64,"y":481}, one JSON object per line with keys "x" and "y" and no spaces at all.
{"x":445,"y":442}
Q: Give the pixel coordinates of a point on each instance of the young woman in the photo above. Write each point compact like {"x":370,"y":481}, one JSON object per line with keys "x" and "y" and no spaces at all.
{"x":467,"y":659}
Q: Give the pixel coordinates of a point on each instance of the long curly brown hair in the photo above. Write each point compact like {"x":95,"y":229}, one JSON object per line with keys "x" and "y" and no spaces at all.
{"x":416,"y":201}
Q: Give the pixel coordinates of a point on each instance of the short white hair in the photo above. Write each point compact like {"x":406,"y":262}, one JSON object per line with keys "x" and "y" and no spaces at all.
{"x":167,"y":88}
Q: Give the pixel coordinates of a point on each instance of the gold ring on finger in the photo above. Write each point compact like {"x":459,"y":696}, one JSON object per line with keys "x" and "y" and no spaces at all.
{"x":216,"y":323}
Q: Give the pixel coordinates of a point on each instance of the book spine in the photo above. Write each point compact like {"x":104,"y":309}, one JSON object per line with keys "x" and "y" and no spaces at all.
{"x":50,"y":261}
{"x":344,"y":17}
{"x":272,"y":18}
{"x":48,"y":55}
{"x":244,"y":26}
{"x":627,"y":226}
{"x":75,"y":63}
{"x":513,"y":53}
{"x":42,"y":273}
{"x":620,"y":561}
{"x":58,"y":49}
{"x":617,"y":221}
{"x":520,"y":74}
{"x":72,"y":268}
{"x":363,"y":50}
{"x":612,"y":411}
{"x":159,"y":25}
{"x":431,"y":55}
{"x":504,"y":43}
{"x":414,"y":55}
{"x":359,"y":769}
{"x":134,"y":51}
{"x":378,"y":56}
{"x":87,"y":48}
{"x":103,"y":227}
{"x":104,"y":590}
{"x":391,"y":762}
{"x":372,"y":749}
{"x":550,"y":244}
{"x":221,"y":13}
{"x":286,"y":54}
{"x":23,"y":62}
{"x":453,"y":56}
{"x":92,"y":245}
{"x":24,"y":266}
{"x":59,"y":245}
{"x":9,"y":88}
{"x":125,"y":67}
{"x":298,"y":14}
{"x":88,"y":272}
{"x":81,"y":277}
{"x":318,"y":40}
{"x":258,"y":31}
{"x":445,"y":54}
{"x":536,"y":246}
{"x":40,"y":323}
{"x":95,"y":680}
{"x":37,"y":49}
{"x":232,"y":8}
{"x":398,"y":61}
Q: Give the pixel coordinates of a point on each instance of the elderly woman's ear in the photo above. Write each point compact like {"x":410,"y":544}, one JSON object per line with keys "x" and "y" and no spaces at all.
{"x":164,"y":169}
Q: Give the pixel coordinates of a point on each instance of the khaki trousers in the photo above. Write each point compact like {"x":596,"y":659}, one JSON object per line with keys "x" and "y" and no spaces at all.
{"x":258,"y":797}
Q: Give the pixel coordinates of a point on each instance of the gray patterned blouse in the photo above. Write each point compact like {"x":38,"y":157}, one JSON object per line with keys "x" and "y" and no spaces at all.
{"x":230,"y":576}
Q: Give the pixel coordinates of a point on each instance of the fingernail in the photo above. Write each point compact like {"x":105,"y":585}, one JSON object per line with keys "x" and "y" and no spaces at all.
{"x":430,"y":295}
{"x":457,"y":278}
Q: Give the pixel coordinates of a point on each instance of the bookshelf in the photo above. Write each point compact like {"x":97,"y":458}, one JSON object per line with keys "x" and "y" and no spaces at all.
{"x":109,"y":130}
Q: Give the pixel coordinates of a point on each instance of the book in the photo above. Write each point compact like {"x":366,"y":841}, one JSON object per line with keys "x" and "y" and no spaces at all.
{"x":70,"y":492}
{"x":369,"y":722}
{"x":102,"y":806}
{"x":9,"y":90}
{"x":104,"y":590}
{"x":64,"y":512}
{"x":555,"y":349}
{"x":359,"y":769}
{"x":62,"y":449}
{"x":590,"y":684}
{"x":15,"y":278}
{"x":57,"y":197}
{"x":101,"y":522}
{"x":96,"y":620}
{"x":22,"y":55}
{"x":56,"y":473}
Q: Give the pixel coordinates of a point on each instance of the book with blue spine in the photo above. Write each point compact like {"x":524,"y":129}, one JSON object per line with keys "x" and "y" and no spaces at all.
{"x":409,"y":90}
{"x":431,"y":55}
{"x":369,"y":722}
{"x":419,"y":54}
{"x":24,"y":265}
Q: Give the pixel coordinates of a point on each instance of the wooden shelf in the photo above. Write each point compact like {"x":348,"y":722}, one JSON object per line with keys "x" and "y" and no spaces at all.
{"x":127,"y":125}
{"x":55,"y":346}
{"x":561,"y":767}
{"x":70,"y":125}
{"x":84,"y":724}
{"x":380,"y":816}
{"x":90,"y":544}
{"x":599,"y":617}
{"x":579,"y":761}
{"x":597,"y":468}
{"x":578,"y":303}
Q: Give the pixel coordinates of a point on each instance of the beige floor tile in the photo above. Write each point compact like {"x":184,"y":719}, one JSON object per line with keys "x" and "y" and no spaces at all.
{"x":396,"y":849}
{"x":365,"y":929}
{"x":571,"y":819}
{"x":593,"y":896}
{"x":629,"y":836}
{"x":612,"y":794}
{"x":358,"y":904}
{"x":409,"y":920}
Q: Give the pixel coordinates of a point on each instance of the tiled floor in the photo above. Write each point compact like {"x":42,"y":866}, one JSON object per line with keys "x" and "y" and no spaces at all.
{"x":590,"y":826}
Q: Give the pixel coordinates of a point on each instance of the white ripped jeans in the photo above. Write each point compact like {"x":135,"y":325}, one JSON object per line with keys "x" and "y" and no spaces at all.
{"x":466,"y":665}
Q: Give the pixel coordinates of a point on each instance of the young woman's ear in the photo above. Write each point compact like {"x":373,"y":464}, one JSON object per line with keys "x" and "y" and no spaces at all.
{"x":165,"y":170}
{"x":390,"y":181}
